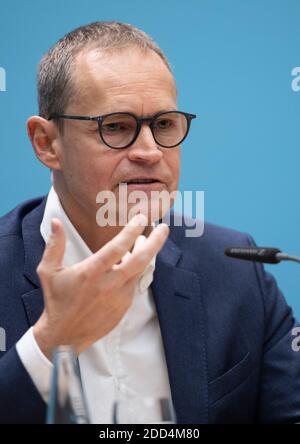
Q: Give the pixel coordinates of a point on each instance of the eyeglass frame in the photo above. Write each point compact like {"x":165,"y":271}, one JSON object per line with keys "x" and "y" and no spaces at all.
{"x":139,"y":121}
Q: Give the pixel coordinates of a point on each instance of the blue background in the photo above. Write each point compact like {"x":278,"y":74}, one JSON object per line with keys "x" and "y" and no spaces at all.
{"x":232,"y":60}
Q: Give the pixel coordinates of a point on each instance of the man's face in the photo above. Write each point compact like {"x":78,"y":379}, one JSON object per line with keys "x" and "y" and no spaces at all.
{"x":127,"y":80}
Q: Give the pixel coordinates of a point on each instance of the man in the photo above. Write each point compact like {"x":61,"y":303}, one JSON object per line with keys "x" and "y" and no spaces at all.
{"x":210,"y":332}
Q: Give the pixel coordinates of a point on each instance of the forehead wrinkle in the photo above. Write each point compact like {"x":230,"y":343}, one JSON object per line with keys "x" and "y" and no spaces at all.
{"x":151,"y":84}
{"x":151,"y":95}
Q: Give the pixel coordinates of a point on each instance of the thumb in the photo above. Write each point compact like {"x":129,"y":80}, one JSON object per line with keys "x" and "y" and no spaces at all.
{"x":55,"y":247}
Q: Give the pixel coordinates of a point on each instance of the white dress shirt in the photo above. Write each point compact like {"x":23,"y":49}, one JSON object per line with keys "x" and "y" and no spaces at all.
{"x":129,"y":359}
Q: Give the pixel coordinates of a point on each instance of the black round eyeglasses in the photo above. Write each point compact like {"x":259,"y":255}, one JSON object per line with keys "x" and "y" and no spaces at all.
{"x":121,"y":129}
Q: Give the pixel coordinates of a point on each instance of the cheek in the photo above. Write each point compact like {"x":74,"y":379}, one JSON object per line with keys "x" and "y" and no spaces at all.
{"x":96,"y":174}
{"x":88,"y":168}
{"x":173,"y":163}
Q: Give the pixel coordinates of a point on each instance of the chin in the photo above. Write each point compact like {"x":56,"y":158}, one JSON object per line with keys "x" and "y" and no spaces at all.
{"x":154,"y":204}
{"x":153,"y":211}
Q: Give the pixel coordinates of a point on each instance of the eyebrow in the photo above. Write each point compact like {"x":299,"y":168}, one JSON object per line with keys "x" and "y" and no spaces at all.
{"x":141,"y":116}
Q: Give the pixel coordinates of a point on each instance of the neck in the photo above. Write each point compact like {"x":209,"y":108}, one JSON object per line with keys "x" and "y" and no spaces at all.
{"x":85,"y":223}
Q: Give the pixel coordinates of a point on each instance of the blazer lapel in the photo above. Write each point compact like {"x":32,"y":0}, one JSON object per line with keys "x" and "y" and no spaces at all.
{"x":179,"y":304}
{"x":180,"y":311}
{"x":34,"y":304}
{"x":33,"y":247}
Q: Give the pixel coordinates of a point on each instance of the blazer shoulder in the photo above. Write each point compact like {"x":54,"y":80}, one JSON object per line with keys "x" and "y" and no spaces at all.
{"x":207,"y":252}
{"x":212,"y":235}
{"x":11,"y":223}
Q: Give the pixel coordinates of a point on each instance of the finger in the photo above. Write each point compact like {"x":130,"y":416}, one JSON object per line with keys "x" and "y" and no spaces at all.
{"x":125,"y":257}
{"x":55,"y":248}
{"x":139,"y":241}
{"x":114,"y":250}
{"x":142,"y":255}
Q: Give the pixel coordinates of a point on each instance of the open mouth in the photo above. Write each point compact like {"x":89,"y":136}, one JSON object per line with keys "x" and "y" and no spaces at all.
{"x":141,"y":181}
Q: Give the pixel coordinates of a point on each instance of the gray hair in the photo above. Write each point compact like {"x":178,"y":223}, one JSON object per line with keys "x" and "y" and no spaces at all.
{"x":55,"y":68}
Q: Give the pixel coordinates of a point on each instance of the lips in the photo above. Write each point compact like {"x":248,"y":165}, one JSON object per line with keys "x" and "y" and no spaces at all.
{"x":140,"y":180}
{"x":146,"y":184}
{"x":144,"y":181}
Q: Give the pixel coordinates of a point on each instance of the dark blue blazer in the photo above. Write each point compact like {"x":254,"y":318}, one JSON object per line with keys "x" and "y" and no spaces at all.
{"x":226,"y":327}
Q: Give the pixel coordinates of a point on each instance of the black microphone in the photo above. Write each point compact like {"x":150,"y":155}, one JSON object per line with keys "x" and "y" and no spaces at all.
{"x":267,"y":255}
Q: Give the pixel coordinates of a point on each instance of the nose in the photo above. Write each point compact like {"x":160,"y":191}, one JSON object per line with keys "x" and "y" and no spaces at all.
{"x":145,"y":148}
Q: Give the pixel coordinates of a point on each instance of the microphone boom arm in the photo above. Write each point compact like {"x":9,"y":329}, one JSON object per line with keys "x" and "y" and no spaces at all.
{"x":267,"y":255}
{"x":287,"y":257}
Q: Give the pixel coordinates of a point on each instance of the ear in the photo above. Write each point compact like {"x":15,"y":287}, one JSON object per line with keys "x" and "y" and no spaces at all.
{"x":44,"y":137}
